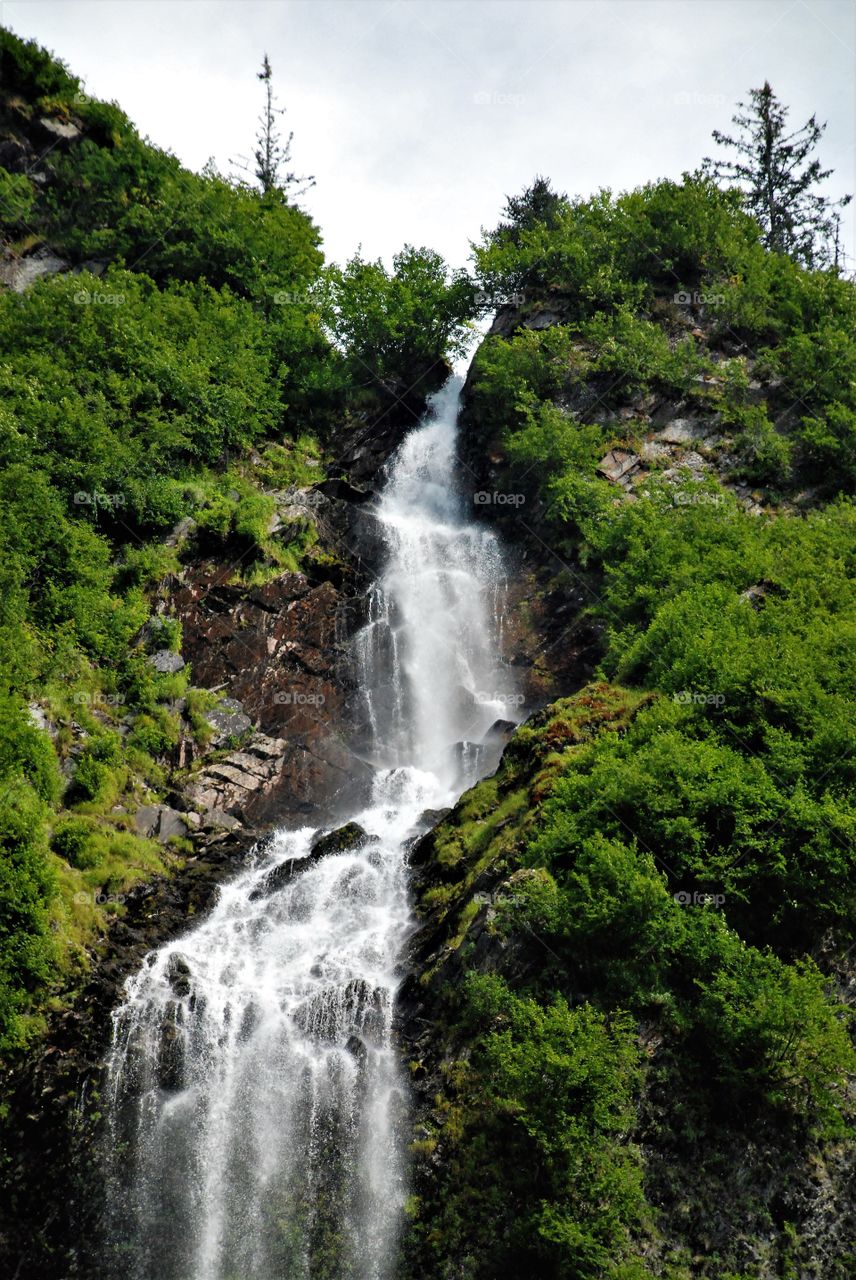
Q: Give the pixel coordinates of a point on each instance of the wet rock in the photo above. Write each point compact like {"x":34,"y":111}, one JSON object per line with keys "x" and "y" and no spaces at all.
{"x":335,"y":1014}
{"x":347,"y":838}
{"x":499,"y":732}
{"x":467,"y":756}
{"x":249,"y":1021}
{"x":178,"y":974}
{"x":357,"y":1048}
{"x":431,"y":817}
{"x":344,"y":840}
{"x":277,"y":878}
{"x":170,"y":1061}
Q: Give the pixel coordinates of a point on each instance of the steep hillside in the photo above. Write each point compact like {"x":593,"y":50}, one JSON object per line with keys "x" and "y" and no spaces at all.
{"x":629,"y":1005}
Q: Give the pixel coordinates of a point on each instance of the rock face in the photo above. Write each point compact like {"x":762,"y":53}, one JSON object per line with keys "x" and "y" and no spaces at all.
{"x":18,"y":273}
{"x":244,"y":783}
{"x":229,"y":721}
{"x":349,"y":837}
{"x":344,"y":840}
{"x":362,"y":447}
{"x":160,"y":822}
{"x":280,"y":650}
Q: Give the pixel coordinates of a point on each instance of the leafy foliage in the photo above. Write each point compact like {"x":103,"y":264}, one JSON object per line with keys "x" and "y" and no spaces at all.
{"x":401,"y":328}
{"x":544,"y":1184}
{"x":675,"y":853}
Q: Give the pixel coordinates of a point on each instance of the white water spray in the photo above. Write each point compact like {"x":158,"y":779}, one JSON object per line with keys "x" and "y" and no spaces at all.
{"x":256,"y":1103}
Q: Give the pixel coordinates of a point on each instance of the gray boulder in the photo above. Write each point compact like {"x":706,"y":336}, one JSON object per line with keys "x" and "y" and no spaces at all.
{"x":166,"y":662}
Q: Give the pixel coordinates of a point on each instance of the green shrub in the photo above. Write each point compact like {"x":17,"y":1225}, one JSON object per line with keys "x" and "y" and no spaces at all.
{"x":769,"y":1028}
{"x":75,"y":840}
{"x":538,"y":1178}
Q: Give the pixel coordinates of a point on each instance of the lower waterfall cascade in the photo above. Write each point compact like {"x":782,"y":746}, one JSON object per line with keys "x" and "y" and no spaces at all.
{"x":255,"y":1105}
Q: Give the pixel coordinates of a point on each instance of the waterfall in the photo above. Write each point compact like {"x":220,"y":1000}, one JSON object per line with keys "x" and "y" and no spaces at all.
{"x":256,"y":1106}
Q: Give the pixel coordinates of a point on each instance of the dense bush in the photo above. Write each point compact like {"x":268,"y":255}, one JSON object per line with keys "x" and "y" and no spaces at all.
{"x":29,"y":784}
{"x":535,"y":1131}
{"x":613,"y":251}
{"x":398,"y":329}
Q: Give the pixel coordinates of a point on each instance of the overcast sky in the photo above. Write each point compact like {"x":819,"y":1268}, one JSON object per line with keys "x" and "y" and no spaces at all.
{"x":417,"y":117}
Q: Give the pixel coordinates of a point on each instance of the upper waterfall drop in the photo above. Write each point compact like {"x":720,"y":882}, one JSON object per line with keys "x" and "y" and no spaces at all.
{"x":428,"y":656}
{"x":254,"y":1093}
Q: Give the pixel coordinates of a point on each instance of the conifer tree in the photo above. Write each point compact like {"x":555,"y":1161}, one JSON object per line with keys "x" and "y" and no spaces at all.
{"x":271,"y":156}
{"x":779,"y":176}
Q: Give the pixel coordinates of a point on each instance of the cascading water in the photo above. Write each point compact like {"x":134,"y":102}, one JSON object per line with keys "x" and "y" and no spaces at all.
{"x":255,"y":1101}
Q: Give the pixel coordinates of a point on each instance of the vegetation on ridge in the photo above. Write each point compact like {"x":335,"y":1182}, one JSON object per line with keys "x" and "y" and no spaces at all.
{"x":657,"y":887}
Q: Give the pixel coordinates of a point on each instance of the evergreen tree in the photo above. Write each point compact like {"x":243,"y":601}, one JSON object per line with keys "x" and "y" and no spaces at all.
{"x":779,"y":174}
{"x":271,"y":155}
{"x":537,"y":203}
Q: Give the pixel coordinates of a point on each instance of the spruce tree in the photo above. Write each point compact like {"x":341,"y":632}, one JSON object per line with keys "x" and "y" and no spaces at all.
{"x":271,"y":155}
{"x":779,"y":175}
